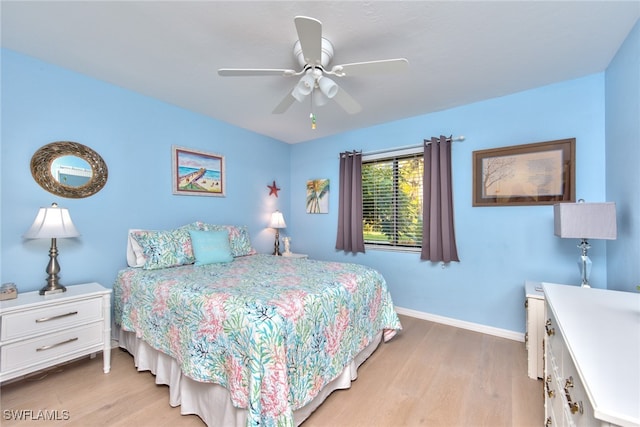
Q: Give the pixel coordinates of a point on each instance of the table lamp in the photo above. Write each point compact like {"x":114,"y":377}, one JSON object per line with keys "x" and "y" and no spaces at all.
{"x":52,"y":223}
{"x":585,"y":221}
{"x":277,"y":222}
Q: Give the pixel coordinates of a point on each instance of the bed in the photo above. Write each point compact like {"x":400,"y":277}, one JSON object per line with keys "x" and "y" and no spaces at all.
{"x":251,"y":340}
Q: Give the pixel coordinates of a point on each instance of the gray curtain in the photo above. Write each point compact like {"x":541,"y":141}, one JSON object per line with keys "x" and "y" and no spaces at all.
{"x":438,"y":234}
{"x":350,"y":237}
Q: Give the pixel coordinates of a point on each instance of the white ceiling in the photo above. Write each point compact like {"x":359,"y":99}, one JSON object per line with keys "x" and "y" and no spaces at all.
{"x":459,"y":51}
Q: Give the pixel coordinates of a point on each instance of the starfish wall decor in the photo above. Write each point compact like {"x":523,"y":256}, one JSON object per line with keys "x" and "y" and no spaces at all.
{"x":273,"y":189}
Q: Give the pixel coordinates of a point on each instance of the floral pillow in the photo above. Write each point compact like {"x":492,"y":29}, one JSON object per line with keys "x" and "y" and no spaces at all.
{"x":163,"y":249}
{"x":238,"y":238}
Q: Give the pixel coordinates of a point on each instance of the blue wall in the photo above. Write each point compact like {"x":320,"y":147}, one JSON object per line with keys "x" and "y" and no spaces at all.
{"x":42,"y":103}
{"x":623,"y":157}
{"x":500,"y":247}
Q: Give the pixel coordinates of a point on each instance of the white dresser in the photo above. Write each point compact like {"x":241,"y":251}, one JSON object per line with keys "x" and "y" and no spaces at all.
{"x":38,"y":332}
{"x":592,"y":357}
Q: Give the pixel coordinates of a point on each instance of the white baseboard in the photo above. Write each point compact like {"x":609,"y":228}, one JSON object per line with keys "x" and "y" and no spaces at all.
{"x":476,"y":327}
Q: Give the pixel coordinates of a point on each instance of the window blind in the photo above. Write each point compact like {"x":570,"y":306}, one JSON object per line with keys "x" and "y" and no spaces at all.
{"x":392,"y":199}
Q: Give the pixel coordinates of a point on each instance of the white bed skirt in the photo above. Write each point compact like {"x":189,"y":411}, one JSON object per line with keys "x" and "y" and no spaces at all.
{"x":212,"y":402}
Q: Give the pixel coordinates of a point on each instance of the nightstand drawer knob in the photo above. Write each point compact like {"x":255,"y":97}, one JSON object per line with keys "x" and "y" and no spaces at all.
{"x":550,"y":331}
{"x":574,"y":407}
{"x":46,"y":319}
{"x":547,"y":382}
{"x":47,"y":347}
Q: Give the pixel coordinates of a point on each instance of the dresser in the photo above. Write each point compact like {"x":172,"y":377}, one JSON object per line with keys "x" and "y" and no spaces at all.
{"x":534,"y":337}
{"x":40,"y":331}
{"x":592,"y":357}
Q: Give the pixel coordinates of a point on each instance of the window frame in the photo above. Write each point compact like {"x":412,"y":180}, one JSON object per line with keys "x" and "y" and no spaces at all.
{"x":393,"y":154}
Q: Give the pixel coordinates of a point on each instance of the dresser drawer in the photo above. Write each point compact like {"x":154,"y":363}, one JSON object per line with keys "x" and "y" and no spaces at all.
{"x":578,"y":409}
{"x":554,"y":341}
{"x":36,"y":350}
{"x":50,"y":318}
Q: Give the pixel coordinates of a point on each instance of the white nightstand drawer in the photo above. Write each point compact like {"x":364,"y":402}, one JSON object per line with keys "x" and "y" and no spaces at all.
{"x":294,"y":255}
{"x":30,"y":352}
{"x":50,"y":318}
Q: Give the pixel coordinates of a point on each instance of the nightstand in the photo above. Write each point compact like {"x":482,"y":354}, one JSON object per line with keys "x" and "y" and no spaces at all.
{"x":294,"y":255}
{"x":40,"y":331}
{"x":534,"y":337}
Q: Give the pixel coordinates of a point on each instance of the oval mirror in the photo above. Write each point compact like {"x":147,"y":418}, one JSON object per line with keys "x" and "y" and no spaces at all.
{"x":69,"y":169}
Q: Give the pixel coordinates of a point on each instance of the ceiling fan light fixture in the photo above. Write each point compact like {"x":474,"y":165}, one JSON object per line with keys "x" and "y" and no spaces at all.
{"x":328,"y":87}
{"x":299,"y":96}
{"x":319,"y":99}
{"x":306,"y":84}
{"x":314,"y":53}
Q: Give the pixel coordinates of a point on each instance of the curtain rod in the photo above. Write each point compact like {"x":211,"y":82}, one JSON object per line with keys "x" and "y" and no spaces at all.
{"x":407,"y":147}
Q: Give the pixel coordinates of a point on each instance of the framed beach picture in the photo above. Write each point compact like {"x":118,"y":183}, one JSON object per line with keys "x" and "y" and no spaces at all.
{"x":197,"y":173}
{"x":541,"y":173}
{"x":318,"y":196}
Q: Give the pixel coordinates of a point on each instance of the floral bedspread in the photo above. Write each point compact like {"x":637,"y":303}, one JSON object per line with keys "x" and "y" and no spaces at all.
{"x":272,"y":330}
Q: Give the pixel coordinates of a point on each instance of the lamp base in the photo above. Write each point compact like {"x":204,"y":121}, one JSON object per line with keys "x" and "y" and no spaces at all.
{"x":53,"y":268}
{"x":584,"y":263}
{"x":50,"y":291}
{"x":276,"y":245}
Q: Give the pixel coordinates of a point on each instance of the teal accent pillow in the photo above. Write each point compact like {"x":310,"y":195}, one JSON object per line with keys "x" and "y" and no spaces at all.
{"x":210,"y":247}
{"x":238,"y":238}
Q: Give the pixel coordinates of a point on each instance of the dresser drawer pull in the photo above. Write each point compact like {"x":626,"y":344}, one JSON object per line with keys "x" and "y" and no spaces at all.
{"x":550,"y":392}
{"x":47,"y":347}
{"x":550,"y":330}
{"x":574,"y":407}
{"x":46,"y":319}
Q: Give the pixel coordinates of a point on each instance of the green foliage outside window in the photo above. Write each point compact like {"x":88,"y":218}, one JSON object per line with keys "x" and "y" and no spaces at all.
{"x":392,"y":201}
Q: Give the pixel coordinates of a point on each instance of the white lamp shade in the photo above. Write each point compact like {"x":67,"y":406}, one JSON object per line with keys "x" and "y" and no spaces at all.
{"x":585,"y":220}
{"x":51,"y":223}
{"x":328,"y":87}
{"x":277,"y":220}
{"x":297,"y":94}
{"x":306,"y":84}
{"x":319,"y":99}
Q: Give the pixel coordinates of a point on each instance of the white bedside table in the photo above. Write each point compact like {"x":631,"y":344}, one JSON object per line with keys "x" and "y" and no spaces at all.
{"x":534,"y":306}
{"x":294,"y":255}
{"x":40,"y":331}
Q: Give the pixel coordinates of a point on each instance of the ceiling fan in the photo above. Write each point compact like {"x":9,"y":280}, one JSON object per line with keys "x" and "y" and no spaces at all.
{"x":314,"y":53}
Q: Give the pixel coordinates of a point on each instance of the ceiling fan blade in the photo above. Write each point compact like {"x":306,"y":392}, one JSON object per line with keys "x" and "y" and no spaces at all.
{"x":347,"y":102}
{"x":310,"y":37}
{"x":242,"y":72}
{"x":371,"y":67}
{"x":284,"y":104}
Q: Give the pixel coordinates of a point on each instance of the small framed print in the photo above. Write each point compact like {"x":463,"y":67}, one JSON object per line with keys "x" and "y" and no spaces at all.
{"x":318,"y":196}
{"x":197,"y":173}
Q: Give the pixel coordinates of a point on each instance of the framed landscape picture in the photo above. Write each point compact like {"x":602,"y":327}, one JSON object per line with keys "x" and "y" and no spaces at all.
{"x":541,"y":173}
{"x":197,"y":173}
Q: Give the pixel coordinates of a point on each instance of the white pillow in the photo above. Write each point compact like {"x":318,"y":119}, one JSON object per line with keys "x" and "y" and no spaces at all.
{"x":135,"y":256}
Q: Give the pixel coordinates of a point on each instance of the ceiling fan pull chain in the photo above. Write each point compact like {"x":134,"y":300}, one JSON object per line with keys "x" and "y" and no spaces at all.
{"x":312,"y":115}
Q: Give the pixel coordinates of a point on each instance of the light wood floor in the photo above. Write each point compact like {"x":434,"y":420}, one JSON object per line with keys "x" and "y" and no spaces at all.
{"x":430,"y":374}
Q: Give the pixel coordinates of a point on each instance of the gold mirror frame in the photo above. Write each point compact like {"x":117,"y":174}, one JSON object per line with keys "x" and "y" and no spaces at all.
{"x":46,"y":155}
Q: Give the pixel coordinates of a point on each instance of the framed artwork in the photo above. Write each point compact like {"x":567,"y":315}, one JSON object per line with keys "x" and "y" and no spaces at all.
{"x":541,"y":173}
{"x":197,"y":173}
{"x":318,"y":196}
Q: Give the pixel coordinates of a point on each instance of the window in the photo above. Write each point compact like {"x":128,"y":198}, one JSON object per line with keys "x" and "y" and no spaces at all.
{"x":392,"y":199}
